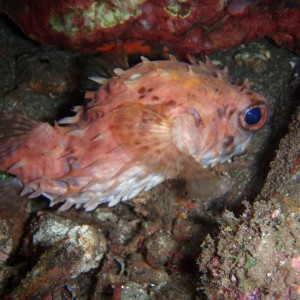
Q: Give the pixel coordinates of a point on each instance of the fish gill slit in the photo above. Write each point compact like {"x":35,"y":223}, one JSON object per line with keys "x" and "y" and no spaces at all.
{"x":195,"y":114}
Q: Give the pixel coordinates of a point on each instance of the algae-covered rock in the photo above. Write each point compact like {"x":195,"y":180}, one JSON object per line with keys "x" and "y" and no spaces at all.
{"x":257,"y":256}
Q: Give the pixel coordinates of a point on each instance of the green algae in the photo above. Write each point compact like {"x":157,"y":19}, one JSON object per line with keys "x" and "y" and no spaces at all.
{"x":4,"y":176}
{"x":64,"y":24}
{"x":181,"y":10}
{"x":99,"y":14}
{"x":107,"y":15}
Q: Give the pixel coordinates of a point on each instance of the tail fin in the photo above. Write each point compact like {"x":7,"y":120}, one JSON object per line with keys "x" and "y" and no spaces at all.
{"x":14,"y":128}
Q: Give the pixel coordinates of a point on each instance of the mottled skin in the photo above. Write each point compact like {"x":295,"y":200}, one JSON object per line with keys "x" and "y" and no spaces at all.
{"x":157,"y":120}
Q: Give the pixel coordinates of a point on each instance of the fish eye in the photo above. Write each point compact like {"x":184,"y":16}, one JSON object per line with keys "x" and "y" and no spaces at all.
{"x":254,"y":117}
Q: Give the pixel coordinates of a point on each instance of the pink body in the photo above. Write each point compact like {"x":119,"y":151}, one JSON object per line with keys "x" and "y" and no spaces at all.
{"x":154,"y":121}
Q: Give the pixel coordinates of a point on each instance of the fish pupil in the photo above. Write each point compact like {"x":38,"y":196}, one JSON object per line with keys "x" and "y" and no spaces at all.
{"x":253,"y":116}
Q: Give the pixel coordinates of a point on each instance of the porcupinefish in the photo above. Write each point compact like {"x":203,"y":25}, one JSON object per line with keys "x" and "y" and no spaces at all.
{"x":157,"y":120}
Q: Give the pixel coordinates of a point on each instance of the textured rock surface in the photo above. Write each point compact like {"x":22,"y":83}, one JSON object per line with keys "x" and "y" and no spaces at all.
{"x":257,"y":255}
{"x":64,"y":249}
{"x":189,"y":26}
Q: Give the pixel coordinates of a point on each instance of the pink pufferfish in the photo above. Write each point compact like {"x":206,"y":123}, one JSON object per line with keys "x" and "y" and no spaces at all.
{"x":154,"y":121}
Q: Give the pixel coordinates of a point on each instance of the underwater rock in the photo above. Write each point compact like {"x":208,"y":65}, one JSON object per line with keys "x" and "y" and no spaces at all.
{"x":144,"y":25}
{"x":256,"y":256}
{"x":132,"y":290}
{"x":70,"y":249}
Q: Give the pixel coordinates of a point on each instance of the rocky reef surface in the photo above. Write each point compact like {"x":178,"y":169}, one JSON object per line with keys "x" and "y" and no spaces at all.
{"x":177,"y":26}
{"x":162,"y":244}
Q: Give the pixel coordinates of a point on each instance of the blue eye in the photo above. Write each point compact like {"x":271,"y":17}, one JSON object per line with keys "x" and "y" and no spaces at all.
{"x":253,"y":116}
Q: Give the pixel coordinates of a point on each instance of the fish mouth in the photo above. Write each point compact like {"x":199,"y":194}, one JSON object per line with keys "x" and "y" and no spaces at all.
{"x":224,"y":150}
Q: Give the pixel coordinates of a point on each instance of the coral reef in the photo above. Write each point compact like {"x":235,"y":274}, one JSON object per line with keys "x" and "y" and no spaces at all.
{"x":189,"y":26}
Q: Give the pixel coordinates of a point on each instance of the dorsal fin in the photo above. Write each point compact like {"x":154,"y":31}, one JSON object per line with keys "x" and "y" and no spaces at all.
{"x":100,"y":68}
{"x":209,"y":68}
{"x":105,"y":64}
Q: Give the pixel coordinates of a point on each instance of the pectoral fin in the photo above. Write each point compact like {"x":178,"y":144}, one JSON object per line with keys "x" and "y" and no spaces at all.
{"x":146,"y":134}
{"x":209,"y":187}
